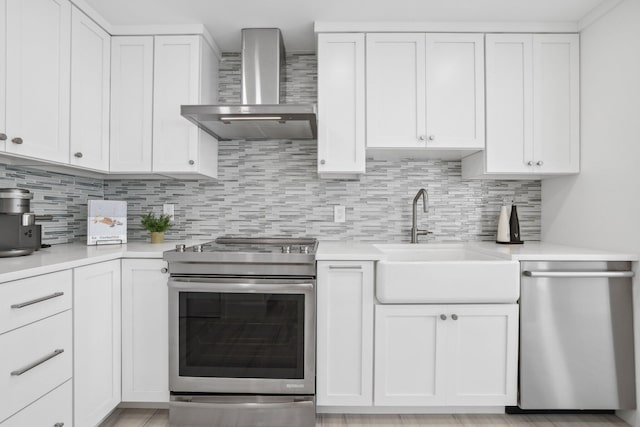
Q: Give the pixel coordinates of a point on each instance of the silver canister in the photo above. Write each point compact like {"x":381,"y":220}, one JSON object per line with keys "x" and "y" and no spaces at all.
{"x":15,"y":201}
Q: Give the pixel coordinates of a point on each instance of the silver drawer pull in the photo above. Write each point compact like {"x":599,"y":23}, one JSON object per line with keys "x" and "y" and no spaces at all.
{"x":38,"y":362}
{"x":345,"y":267}
{"x":579,"y":274}
{"x":58,"y":425}
{"x":37,"y":300}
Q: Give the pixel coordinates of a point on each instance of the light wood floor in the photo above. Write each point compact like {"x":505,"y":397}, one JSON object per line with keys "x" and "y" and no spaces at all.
{"x":160,"y":418}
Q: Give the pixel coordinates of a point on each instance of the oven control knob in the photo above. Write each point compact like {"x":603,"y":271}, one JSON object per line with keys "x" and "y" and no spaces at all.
{"x":286,"y":249}
{"x":197,"y":248}
{"x":304,"y":249}
{"x":181,"y":248}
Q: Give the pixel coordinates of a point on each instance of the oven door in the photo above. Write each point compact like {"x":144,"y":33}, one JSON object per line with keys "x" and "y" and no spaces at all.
{"x":242,"y":335}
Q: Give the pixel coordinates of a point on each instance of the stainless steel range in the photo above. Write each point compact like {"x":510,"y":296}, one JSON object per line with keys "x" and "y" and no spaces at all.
{"x":242,"y":333}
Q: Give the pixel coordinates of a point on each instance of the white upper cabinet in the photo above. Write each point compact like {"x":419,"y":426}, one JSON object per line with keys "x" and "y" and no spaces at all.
{"x":185,"y":73}
{"x":341,"y":105}
{"x":425,"y":91}
{"x":556,"y":103}
{"x":90,"y":70}
{"x":533,"y":108}
{"x":131,"y":103}
{"x":38,"y":63}
{"x":455,"y":91}
{"x":395,"y":90}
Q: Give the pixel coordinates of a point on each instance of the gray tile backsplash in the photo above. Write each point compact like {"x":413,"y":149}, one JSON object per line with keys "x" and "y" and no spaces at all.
{"x":272,"y":188}
{"x":62,"y":196}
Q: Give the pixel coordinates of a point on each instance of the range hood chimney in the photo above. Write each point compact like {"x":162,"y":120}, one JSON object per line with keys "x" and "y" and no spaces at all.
{"x":261,"y":116}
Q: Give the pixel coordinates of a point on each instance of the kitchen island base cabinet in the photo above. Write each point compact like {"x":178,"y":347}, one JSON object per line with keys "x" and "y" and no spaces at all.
{"x":97,"y":337}
{"x":446,"y":355}
{"x":345,"y":333}
{"x":145,"y":331}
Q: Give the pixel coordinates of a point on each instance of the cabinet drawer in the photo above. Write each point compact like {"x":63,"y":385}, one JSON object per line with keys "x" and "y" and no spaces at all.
{"x":53,"y":409}
{"x":34,"y":360}
{"x":27,"y":300}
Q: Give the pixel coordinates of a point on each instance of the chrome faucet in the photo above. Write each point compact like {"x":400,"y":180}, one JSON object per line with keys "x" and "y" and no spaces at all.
{"x":415,"y":232}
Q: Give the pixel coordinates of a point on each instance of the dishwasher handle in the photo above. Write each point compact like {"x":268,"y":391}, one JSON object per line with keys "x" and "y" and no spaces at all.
{"x":579,"y":274}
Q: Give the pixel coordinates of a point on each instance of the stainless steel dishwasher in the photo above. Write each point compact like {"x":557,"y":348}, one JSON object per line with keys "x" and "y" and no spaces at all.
{"x":576,"y":336}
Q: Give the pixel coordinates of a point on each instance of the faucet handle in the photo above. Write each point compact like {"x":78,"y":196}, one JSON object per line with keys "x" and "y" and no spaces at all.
{"x":423,"y":232}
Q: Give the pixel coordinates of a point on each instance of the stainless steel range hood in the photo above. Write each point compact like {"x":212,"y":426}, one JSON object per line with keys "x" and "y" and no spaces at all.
{"x":261,"y":115}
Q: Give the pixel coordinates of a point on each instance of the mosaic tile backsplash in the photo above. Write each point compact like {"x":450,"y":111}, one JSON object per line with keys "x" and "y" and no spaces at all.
{"x":272,"y":188}
{"x":62,"y":196}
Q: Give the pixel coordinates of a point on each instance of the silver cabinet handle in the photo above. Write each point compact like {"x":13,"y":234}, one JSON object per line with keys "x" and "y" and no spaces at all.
{"x":454,"y":316}
{"x":579,"y":274}
{"x":78,"y":155}
{"x":191,"y":162}
{"x":38,"y":362}
{"x":37,"y":300}
{"x":164,"y":270}
{"x":3,"y":136}
{"x":17,"y":141}
{"x":443,"y":317}
{"x":529,"y":163}
{"x":422,"y":138}
{"x":539,"y":163}
{"x":323,"y":161}
{"x":345,"y":267}
{"x":58,"y":425}
{"x":432,"y":137}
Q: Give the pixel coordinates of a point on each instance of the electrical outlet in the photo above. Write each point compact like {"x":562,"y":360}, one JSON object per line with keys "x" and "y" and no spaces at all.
{"x":339,"y":214}
{"x":170,"y":209}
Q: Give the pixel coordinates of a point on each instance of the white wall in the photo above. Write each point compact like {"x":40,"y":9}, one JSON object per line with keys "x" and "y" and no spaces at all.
{"x":600,"y":208}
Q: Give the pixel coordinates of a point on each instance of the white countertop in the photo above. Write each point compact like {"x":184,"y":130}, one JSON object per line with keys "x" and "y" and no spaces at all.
{"x":62,"y":257}
{"x":529,"y":251}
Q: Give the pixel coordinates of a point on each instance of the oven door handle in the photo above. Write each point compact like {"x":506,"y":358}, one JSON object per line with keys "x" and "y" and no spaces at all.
{"x":213,"y":286}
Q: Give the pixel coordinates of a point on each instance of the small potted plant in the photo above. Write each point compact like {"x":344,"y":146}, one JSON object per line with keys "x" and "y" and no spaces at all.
{"x":156,"y":226}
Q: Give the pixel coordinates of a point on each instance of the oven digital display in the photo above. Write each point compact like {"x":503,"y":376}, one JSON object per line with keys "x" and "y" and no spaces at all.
{"x":241,"y":335}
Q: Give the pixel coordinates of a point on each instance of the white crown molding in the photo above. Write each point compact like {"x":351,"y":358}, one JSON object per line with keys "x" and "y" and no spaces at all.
{"x":93,"y":14}
{"x":446,"y":27}
{"x":167,"y":30}
{"x":597,"y":12}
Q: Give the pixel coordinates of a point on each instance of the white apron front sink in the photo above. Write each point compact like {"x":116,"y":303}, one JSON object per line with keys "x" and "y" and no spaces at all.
{"x":444,"y":273}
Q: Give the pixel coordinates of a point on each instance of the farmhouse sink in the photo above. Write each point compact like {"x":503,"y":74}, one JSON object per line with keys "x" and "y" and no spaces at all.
{"x":444,"y":273}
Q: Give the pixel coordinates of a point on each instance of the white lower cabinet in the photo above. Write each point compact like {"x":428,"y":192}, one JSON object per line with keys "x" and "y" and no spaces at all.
{"x":345,"y":333}
{"x":446,"y":355}
{"x":53,"y":409}
{"x":34,"y":360}
{"x":145,"y":331}
{"x":97,"y":337}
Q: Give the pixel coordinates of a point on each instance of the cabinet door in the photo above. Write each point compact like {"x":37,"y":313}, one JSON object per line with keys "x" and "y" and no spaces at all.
{"x":395,"y":69}
{"x":90,"y":69}
{"x":341,"y":120}
{"x":176,"y":83}
{"x":96,"y":328}
{"x":131,"y":103}
{"x":345,"y":333}
{"x":145,"y":331}
{"x":482,"y":354}
{"x":3,"y":74}
{"x":556,"y":103}
{"x":38,"y":78}
{"x":410,"y":348}
{"x":509,"y":101}
{"x":455,"y":90}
